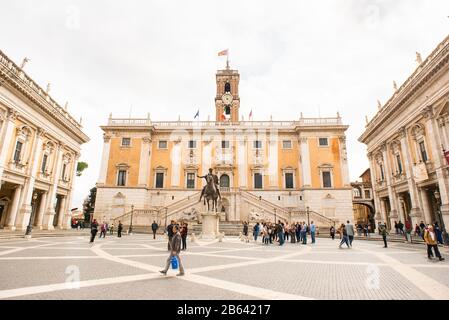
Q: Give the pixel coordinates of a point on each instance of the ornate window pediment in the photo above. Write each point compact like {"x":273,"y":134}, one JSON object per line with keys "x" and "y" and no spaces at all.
{"x":418,"y":131}
{"x":24,"y":132}
{"x":122,"y":166}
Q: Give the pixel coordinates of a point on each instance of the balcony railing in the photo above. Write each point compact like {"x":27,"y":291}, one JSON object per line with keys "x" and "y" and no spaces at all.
{"x":305,"y":122}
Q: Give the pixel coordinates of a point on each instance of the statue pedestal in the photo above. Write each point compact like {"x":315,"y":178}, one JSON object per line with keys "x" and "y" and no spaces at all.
{"x":210,"y":222}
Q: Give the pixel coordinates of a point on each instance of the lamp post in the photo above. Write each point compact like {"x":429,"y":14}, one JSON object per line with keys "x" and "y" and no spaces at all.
{"x":440,"y":216}
{"x":308,"y":216}
{"x":130,"y":230}
{"x":33,"y":212}
{"x":166,"y":214}
{"x":275,"y":220}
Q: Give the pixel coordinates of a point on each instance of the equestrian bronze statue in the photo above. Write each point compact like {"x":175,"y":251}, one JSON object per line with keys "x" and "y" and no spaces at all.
{"x":211,"y":191}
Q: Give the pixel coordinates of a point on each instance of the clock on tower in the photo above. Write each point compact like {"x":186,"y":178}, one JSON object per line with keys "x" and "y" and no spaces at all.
{"x":227,"y":101}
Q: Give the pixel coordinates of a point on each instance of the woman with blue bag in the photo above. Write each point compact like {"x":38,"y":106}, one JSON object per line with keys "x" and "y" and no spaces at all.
{"x":174,"y":259}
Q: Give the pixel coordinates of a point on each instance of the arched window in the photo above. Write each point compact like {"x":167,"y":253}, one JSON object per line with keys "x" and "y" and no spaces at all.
{"x":227,"y":87}
{"x":227,"y":110}
{"x":224,"y":181}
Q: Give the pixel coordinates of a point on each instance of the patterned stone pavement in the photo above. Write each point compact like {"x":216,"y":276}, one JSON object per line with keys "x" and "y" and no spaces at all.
{"x":127,"y":268}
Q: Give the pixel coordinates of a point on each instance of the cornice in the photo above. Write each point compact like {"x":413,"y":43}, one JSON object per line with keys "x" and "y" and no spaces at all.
{"x":420,"y":78}
{"x":18,"y":80}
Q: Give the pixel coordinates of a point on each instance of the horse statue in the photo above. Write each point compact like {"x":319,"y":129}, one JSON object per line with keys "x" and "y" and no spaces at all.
{"x":211,"y":193}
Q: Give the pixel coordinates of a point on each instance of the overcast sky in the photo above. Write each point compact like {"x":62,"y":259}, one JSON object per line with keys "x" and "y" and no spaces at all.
{"x":160,"y":56}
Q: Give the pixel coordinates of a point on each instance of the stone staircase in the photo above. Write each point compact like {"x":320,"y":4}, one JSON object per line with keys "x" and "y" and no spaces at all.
{"x":228,"y":228}
{"x":143,"y":218}
{"x":7,"y":234}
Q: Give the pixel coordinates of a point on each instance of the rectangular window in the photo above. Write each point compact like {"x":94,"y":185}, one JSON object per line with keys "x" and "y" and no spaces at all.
{"x":287,"y":144}
{"x":126,"y":142}
{"x":163,"y":144}
{"x":190,"y":181}
{"x":18,"y":151}
{"x":257,"y":144}
{"x":289,"y":180}
{"x":44,"y":163}
{"x":324,"y":142}
{"x":64,"y":168}
{"x":327,"y":182}
{"x":121,"y":179}
{"x":159,"y":180}
{"x":225,"y":144}
{"x":367,"y":194}
{"x":192,"y":144}
{"x":398,"y":160}
{"x":257,"y":181}
{"x":422,"y":149}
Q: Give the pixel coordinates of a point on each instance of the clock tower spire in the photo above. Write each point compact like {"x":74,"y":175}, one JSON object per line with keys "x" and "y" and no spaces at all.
{"x":227,"y":99}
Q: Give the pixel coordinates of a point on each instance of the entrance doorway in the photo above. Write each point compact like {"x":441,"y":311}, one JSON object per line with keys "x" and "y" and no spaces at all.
{"x":3,"y":211}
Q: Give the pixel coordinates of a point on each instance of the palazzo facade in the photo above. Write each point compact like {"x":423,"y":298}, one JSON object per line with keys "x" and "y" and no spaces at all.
{"x":407,"y":143}
{"x":267,"y":169}
{"x":39,"y":148}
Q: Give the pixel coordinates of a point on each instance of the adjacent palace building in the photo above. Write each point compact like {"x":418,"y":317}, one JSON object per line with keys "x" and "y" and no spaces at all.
{"x":267,"y":169}
{"x":408,"y":140}
{"x":39,"y":148}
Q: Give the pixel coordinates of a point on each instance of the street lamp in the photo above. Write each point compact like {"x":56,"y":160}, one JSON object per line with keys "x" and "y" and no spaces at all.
{"x":166,"y":214}
{"x":130,"y":230}
{"x":440,"y":216}
{"x":33,"y":211}
{"x":308,"y":216}
{"x":275,"y":220}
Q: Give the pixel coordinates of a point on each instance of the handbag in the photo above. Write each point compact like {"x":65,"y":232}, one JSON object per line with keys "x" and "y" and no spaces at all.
{"x":174,"y":263}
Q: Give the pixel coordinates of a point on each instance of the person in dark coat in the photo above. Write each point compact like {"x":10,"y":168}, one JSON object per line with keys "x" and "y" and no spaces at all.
{"x":119,"y":229}
{"x":154,"y":228}
{"x":93,"y":230}
{"x":184,"y":231}
{"x":175,"y":250}
{"x":384,"y":233}
{"x":332,"y":232}
{"x":245,"y":231}
{"x":170,"y":233}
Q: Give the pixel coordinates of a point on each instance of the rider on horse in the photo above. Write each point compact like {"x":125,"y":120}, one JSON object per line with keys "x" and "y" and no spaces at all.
{"x":215,"y":179}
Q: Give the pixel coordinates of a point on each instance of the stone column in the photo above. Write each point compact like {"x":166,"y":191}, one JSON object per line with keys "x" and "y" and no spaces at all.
{"x":439,"y":161}
{"x":443,"y":132}
{"x":7,"y":139}
{"x":144,"y":162}
{"x":104,"y":159}
{"x":402,"y":208}
{"x":344,"y":162}
{"x":207,"y":159}
{"x":377,"y":201}
{"x":50,"y":212}
{"x":41,"y":210}
{"x":11,"y":222}
{"x":381,"y":213}
{"x":68,"y":202}
{"x":273,"y":163}
{"x":242,"y":163}
{"x":61,"y":213}
{"x":305,"y":163}
{"x":416,"y":212}
{"x":426,"y":207}
{"x":36,"y":152}
{"x":176,"y":164}
{"x":391,"y":192}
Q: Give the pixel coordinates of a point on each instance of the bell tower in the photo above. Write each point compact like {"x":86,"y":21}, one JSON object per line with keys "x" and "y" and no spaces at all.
{"x":227,"y":100}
